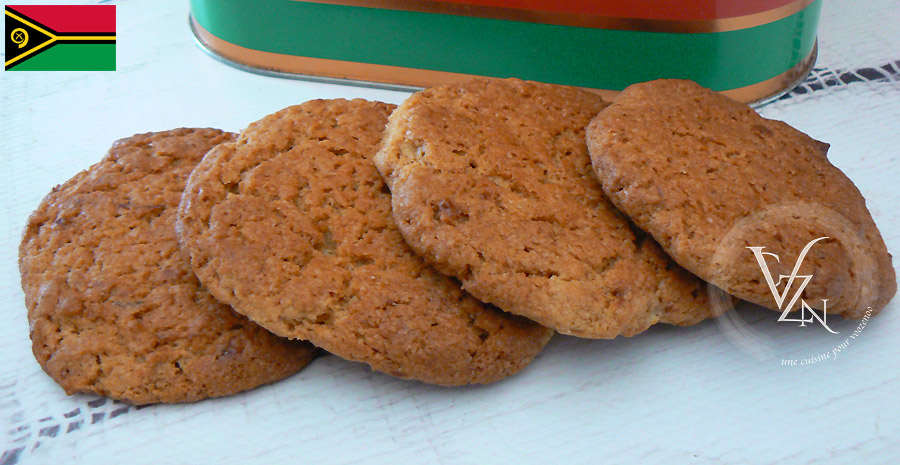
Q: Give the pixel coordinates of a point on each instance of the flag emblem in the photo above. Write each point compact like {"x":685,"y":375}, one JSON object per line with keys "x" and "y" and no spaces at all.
{"x":60,"y":37}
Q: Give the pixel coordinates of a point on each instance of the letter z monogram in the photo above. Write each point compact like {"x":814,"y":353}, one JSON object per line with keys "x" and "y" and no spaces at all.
{"x":803,"y":281}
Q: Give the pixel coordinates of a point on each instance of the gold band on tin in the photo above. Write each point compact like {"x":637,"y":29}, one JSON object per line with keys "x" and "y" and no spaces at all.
{"x":765,"y":91}
{"x":274,"y":63}
{"x":578,"y":20}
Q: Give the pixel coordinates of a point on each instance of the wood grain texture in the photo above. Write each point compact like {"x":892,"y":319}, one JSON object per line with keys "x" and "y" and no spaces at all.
{"x":670,"y":395}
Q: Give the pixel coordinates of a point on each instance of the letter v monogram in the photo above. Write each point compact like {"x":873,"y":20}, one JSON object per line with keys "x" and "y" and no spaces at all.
{"x":773,"y":285}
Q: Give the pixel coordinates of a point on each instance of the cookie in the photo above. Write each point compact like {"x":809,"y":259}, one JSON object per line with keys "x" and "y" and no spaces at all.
{"x":709,"y":178}
{"x":291,"y":225}
{"x":492,"y":184}
{"x":113,"y":306}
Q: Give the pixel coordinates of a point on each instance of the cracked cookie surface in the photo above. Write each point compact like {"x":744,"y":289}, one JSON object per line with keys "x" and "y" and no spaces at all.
{"x":291,"y":225}
{"x":113,"y":306}
{"x":708,"y":177}
{"x":492,"y":184}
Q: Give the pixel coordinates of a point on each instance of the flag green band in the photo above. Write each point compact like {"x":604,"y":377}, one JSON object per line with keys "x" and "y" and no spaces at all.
{"x":580,"y":56}
{"x":72,"y":57}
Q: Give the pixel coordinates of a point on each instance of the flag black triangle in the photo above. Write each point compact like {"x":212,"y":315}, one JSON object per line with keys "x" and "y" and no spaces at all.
{"x":23,"y":36}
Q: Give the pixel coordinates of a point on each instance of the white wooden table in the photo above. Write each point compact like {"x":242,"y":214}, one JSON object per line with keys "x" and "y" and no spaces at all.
{"x":670,"y":395}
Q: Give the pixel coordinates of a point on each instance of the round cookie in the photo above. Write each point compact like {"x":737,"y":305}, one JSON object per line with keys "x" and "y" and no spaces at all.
{"x":291,"y":225}
{"x":709,"y":178}
{"x":113,"y":306}
{"x":492,"y":183}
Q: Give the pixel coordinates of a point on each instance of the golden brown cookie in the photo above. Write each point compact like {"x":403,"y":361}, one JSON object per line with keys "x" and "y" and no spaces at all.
{"x":113,"y":305}
{"x":492,"y":183}
{"x":708,"y":177}
{"x":291,"y":225}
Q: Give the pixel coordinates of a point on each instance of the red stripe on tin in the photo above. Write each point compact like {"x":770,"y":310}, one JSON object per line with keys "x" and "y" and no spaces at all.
{"x":679,"y":10}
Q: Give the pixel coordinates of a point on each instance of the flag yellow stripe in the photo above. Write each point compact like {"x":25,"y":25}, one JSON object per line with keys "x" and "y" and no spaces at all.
{"x":85,"y":37}
{"x":30,"y":52}
{"x":52,"y":35}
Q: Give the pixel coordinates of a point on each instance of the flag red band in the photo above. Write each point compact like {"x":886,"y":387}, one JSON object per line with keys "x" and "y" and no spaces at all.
{"x":71,"y":18}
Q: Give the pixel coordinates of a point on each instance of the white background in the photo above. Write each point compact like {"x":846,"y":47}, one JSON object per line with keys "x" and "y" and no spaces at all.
{"x":670,"y":395}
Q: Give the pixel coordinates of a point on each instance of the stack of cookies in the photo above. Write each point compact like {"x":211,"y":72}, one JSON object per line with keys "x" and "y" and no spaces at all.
{"x":444,"y":240}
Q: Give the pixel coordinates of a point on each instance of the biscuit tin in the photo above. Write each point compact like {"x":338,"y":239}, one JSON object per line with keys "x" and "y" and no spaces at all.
{"x":750,"y":50}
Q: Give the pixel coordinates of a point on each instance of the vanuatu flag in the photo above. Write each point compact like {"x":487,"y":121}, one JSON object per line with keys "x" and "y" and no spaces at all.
{"x":60,"y":37}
